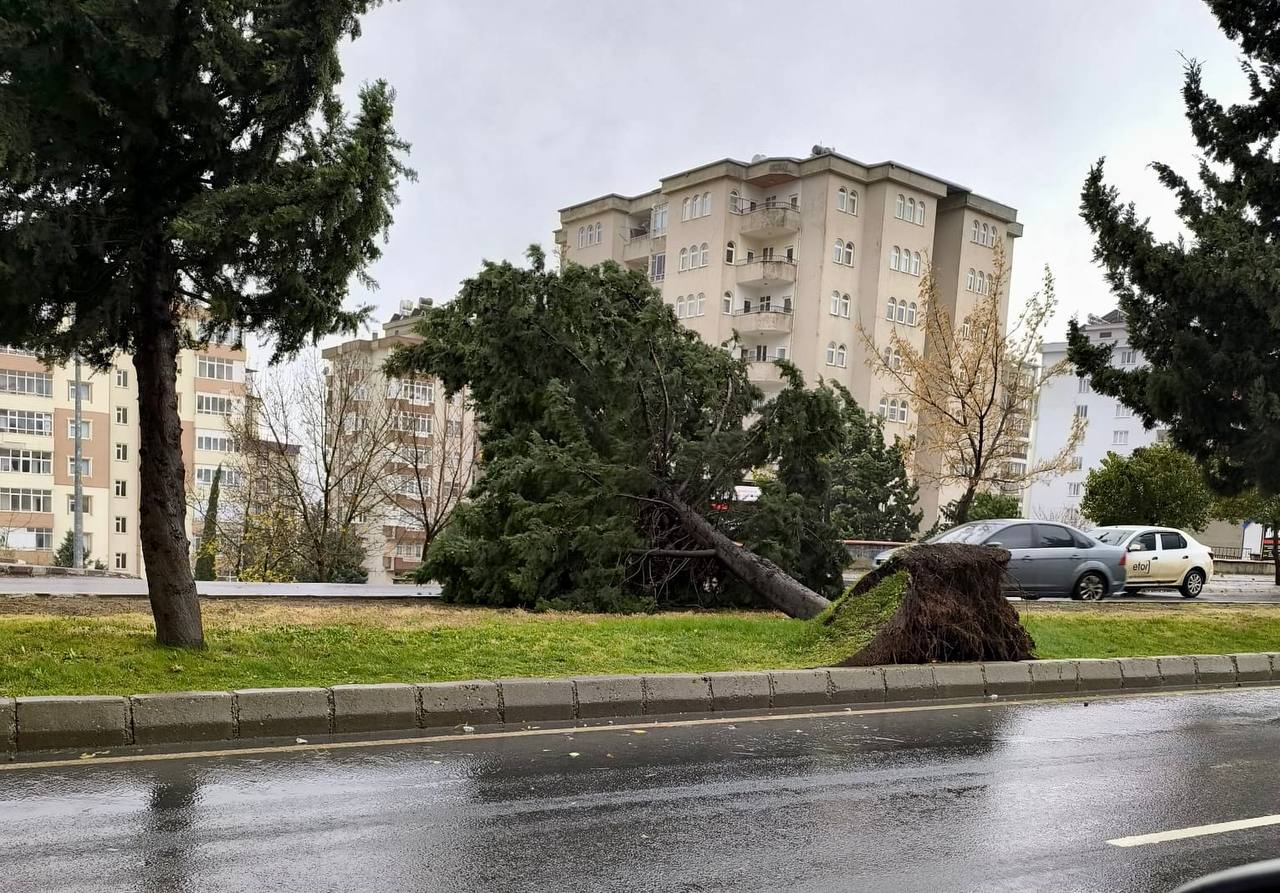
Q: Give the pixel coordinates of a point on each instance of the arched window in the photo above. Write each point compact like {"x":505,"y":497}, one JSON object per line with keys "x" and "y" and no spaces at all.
{"x":706,"y":203}
{"x":582,"y":237}
{"x":888,"y":357}
{"x":831,"y":353}
{"x":970,"y":281}
{"x":902,"y":311}
{"x":900,"y":207}
{"x":911,"y":210}
{"x":835,"y":303}
{"x":726,"y":303}
{"x":894,"y":254}
{"x":730,"y":252}
{"x":985,"y":235}
{"x":897,"y":358}
{"x":975,"y":230}
{"x":680,"y":307}
{"x":982,"y":283}
{"x":684,"y":210}
{"x":702,"y":303}
{"x":684,"y":258}
{"x":838,"y":252}
{"x":705,"y":255}
{"x":845,"y":303}
{"x":599,"y":231}
{"x":891,"y":310}
{"x":841,"y":354}
{"x":920,"y":213}
{"x":841,"y":198}
{"x":848,"y":254}
{"x":735,"y":201}
{"x":893,"y":410}
{"x":911,"y":313}
{"x":993,"y":235}
{"x":884,"y":408}
{"x":852,"y":207}
{"x":966,"y":330}
{"x":915,"y":263}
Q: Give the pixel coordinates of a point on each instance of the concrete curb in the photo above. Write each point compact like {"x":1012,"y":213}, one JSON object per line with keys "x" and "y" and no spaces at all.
{"x":52,"y":723}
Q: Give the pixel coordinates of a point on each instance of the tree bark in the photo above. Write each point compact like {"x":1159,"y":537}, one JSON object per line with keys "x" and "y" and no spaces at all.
{"x":782,"y":591}
{"x":963,"y":504}
{"x":162,"y":502}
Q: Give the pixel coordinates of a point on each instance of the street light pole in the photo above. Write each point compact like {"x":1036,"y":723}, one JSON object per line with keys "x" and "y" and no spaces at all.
{"x":77,"y":539}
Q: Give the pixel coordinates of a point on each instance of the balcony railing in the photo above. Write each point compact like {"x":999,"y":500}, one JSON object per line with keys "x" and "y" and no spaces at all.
{"x":766,"y":270}
{"x":746,"y":206}
{"x":763,"y":319}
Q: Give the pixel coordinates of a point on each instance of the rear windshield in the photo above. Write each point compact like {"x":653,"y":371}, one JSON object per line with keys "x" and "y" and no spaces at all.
{"x":1113,"y":536}
{"x":967,"y":533}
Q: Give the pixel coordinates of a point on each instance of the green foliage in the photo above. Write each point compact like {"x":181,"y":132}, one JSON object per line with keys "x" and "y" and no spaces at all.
{"x":1155,"y":485}
{"x":66,"y":552}
{"x":871,"y":497}
{"x":595,"y":407}
{"x":206,"y":559}
{"x":790,"y":529}
{"x":984,"y":507}
{"x":855,"y":620}
{"x":1203,"y":309}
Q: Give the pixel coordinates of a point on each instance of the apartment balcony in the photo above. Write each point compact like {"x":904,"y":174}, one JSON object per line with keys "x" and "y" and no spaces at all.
{"x":763,"y":321}
{"x":766,"y":272}
{"x":764,"y":373}
{"x":767,"y":221}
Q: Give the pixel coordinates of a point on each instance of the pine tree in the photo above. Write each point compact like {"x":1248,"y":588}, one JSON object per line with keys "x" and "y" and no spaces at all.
{"x":1204,"y":311}
{"x":162,"y":161}
{"x":207,"y":557}
{"x":65,"y":554}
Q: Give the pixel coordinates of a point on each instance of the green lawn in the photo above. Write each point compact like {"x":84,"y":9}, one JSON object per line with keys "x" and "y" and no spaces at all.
{"x":252,"y":647}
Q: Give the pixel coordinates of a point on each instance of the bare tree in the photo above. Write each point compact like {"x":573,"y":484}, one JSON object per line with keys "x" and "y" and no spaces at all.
{"x":974,"y":387}
{"x":318,"y":435}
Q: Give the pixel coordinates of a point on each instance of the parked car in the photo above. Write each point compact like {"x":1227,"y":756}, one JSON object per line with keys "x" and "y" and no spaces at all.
{"x":1161,"y":557}
{"x":1045,"y":558}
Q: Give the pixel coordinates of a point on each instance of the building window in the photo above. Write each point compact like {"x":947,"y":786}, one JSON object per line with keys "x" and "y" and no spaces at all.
{"x":831,"y":353}
{"x":842,"y":198}
{"x":122,"y":561}
{"x":848,"y":254}
{"x":122,"y":415}
{"x":726,"y":303}
{"x":599,"y":232}
{"x":911,"y":210}
{"x":212,"y":404}
{"x":86,"y":390}
{"x":122,"y":524}
{"x":891,"y":310}
{"x":974,"y":237}
{"x":911,"y":313}
{"x":25,"y":499}
{"x":122,"y":452}
{"x":86,"y":466}
{"x":26,"y":461}
{"x":895,"y":255}
{"x":684,"y":210}
{"x":701,"y":305}
{"x":982,"y":283}
{"x":900,"y":208}
{"x":706,"y":204}
{"x":71,"y":504}
{"x":122,"y":489}
{"x":1119,"y":438}
{"x":1085,"y":387}
{"x":37,"y":384}
{"x":841,"y":355}
{"x":845,"y":304}
{"x":21,"y":421}
{"x":966,"y":330}
{"x":1123,"y":412}
{"x":902,"y":311}
{"x":679,"y":306}
{"x":971,"y":281}
{"x":730,"y":251}
{"x":1077,"y":463}
{"x":658,"y":219}
{"x":852,"y":206}
{"x":920,"y":215}
{"x":657,"y":267}
{"x":217,"y":368}
{"x":705,"y":255}
{"x":1073,"y":489}
{"x":915,"y":263}
{"x":231,"y":477}
{"x":1128,"y":357}
{"x":684,"y":259}
{"x":1082,"y":411}
{"x":214,"y":441}
{"x":884,"y":408}
{"x":582,"y":237}
{"x":735,"y":201}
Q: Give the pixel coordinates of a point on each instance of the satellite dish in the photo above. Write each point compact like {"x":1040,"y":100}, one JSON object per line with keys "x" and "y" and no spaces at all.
{"x":758,"y":157}
{"x":819,"y":149}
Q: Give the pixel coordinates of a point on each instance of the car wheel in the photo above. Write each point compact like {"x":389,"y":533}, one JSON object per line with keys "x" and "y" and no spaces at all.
{"x":1091,"y":587}
{"x":1192,"y":583}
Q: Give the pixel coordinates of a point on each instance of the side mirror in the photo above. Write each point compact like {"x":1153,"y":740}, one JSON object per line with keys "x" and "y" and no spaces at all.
{"x":1137,"y":547}
{"x":1255,"y":878}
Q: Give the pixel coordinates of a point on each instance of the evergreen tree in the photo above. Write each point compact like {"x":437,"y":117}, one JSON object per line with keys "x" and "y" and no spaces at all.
{"x":161,"y":161}
{"x":985,"y":506}
{"x":1254,"y":506}
{"x":207,"y":557}
{"x":1155,"y":485}
{"x":65,"y":554}
{"x":608,"y":430}
{"x":1204,"y":310}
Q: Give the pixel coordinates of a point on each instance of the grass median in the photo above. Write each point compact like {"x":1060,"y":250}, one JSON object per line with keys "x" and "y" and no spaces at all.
{"x":91,"y":646}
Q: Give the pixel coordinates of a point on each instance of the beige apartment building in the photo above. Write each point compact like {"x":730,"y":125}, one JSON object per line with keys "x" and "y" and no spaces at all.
{"x":431,"y":457}
{"x":787,"y":257}
{"x":37,"y":449}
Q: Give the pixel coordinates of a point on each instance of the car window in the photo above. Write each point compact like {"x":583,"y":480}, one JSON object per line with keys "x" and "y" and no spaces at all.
{"x":975,"y":532}
{"x":1015,"y":536}
{"x":1173,"y":540}
{"x":1082,"y":541}
{"x":1146,"y":540}
{"x":1051,"y":536}
{"x":1113,"y":536}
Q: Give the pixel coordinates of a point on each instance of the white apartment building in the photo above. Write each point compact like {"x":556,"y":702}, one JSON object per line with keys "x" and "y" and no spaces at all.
{"x":794,"y":254}
{"x":37,"y":448}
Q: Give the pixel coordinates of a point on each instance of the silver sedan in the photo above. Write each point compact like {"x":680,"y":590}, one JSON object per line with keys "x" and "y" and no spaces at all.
{"x":1045,"y":558}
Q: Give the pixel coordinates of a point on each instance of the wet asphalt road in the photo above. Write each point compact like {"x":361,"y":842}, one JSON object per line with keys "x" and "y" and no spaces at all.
{"x":992,"y":798}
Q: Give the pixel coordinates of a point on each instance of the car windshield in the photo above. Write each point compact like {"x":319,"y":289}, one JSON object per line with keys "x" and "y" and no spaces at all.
{"x":1112,"y":536}
{"x":967,"y":533}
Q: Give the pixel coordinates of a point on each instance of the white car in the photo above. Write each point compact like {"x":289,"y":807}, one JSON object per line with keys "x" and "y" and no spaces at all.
{"x":1161,"y":557}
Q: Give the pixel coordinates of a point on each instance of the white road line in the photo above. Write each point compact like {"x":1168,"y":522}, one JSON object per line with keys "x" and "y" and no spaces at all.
{"x":1197,"y":831}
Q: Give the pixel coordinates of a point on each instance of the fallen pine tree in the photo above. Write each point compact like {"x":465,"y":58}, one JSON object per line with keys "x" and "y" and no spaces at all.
{"x":932,"y":603}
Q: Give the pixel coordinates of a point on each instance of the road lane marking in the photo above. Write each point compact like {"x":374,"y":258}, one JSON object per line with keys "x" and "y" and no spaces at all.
{"x":642,"y":727}
{"x":1196,"y":831}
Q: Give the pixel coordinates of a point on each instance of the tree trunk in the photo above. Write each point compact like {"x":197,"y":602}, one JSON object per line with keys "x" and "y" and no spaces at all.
{"x":963,"y":504}
{"x":162,"y":502}
{"x":763,"y":576}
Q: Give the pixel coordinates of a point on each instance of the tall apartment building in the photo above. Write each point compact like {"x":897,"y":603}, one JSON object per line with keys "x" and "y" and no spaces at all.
{"x":433,"y":458}
{"x":37,"y":449}
{"x":793,"y":255}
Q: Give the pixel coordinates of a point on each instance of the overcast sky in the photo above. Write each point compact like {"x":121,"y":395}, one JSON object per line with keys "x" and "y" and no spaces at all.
{"x":515,"y":110}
